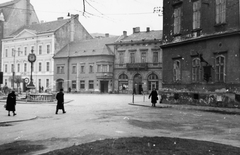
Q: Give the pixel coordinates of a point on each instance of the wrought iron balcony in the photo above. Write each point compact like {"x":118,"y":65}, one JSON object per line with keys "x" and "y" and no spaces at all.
{"x":139,"y":66}
{"x":104,"y":75}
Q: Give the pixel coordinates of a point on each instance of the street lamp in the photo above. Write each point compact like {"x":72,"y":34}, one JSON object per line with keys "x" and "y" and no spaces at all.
{"x":31,"y":59}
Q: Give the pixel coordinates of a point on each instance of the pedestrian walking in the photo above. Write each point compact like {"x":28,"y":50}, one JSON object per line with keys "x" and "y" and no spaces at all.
{"x":60,"y":101}
{"x":11,"y":103}
{"x":154,"y":97}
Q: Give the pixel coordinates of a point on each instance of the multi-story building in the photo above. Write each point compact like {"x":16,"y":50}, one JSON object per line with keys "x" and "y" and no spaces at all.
{"x":86,"y":66}
{"x":201,"y":44}
{"x":138,"y":62}
{"x":13,"y":15}
{"x":44,"y":40}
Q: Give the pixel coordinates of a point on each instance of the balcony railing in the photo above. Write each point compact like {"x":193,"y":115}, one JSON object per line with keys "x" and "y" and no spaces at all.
{"x":104,"y":75}
{"x":138,"y":66}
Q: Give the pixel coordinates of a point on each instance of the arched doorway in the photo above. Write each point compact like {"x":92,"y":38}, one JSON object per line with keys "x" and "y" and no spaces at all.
{"x":153,"y":82}
{"x":137,"y":84}
{"x":59,"y":84}
{"x":123,"y":83}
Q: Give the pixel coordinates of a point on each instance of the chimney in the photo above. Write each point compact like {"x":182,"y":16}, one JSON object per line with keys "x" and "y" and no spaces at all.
{"x":60,"y":18}
{"x":136,"y":29}
{"x":106,"y":35}
{"x":125,"y":33}
{"x":148,"y":29}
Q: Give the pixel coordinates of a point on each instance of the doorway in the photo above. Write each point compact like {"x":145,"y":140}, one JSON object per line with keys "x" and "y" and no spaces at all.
{"x":59,"y":84}
{"x":104,"y":86}
{"x":137,"y":84}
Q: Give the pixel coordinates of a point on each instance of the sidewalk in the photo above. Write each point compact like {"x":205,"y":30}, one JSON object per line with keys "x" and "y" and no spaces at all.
{"x":220,"y":110}
{"x":4,"y":118}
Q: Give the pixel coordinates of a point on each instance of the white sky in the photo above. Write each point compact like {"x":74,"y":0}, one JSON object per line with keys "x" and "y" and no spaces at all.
{"x":109,"y":16}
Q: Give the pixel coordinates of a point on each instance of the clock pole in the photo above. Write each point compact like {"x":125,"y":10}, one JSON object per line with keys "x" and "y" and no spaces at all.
{"x":31,"y":59}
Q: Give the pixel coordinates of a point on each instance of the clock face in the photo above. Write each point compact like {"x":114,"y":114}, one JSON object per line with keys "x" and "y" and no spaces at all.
{"x":32,"y":57}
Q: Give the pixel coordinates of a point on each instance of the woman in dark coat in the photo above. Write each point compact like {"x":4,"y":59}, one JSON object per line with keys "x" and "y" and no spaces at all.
{"x":154,"y":97}
{"x":60,"y":101}
{"x":11,"y":103}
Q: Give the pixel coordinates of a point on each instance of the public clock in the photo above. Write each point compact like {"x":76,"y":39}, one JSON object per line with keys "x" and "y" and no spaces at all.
{"x":31,"y":57}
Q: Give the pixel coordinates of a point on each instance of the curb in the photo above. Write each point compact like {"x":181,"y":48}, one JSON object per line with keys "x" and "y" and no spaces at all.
{"x":21,"y":120}
{"x":134,"y":104}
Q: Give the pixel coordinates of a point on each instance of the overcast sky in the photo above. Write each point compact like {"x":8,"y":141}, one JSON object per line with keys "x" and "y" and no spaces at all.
{"x":103,"y":16}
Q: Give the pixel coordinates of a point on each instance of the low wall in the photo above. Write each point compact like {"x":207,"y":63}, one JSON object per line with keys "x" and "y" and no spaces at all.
{"x":41,"y":97}
{"x":216,"y":99}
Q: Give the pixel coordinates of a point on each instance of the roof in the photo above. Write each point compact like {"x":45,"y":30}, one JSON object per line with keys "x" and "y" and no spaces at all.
{"x":7,"y":7}
{"x":140,"y":36}
{"x":43,"y":27}
{"x":91,"y":47}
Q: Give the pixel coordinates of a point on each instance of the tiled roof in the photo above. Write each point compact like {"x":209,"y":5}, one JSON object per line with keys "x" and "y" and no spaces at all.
{"x":139,"y":36}
{"x":96,"y":46}
{"x":43,"y":27}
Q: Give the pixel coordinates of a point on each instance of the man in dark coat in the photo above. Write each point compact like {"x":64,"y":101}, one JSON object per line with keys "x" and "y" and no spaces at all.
{"x":60,"y":101}
{"x":11,"y":103}
{"x":154,"y":97}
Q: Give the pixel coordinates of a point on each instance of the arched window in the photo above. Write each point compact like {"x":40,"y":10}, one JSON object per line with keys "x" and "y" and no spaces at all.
{"x":123,"y":77}
{"x":220,"y":68}
{"x":196,"y":70}
{"x":153,"y":82}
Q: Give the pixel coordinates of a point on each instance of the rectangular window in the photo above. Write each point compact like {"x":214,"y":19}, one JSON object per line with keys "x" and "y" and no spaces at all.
{"x":74,"y":69}
{"x":132,"y":57}
{"x":40,"y":49}
{"x":99,"y":68}
{"x":18,"y":67}
{"x":176,"y":70}
{"x":110,"y":68}
{"x":39,"y":83}
{"x":6,"y":68}
{"x":19,"y":51}
{"x":48,"y":49}
{"x":13,"y":52}
{"x":91,"y":68}
{"x":196,"y":70}
{"x":220,"y":68}
{"x":196,"y":14}
{"x":220,"y":11}
{"x":91,"y":84}
{"x":121,"y":57}
{"x":25,"y":51}
{"x":104,"y":68}
{"x":6,"y":52}
{"x":143,"y":57}
{"x":60,"y":69}
{"x":47,"y":83}
{"x":25,"y":67}
{"x":177,"y":20}
{"x":82,"y":69}
{"x":74,"y":84}
{"x":82,"y":84}
{"x":47,"y":66}
{"x":40,"y":67}
{"x":155,"y":57}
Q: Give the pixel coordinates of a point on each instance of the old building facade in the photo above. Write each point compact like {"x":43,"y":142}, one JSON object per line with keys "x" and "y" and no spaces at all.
{"x":138,"y":62}
{"x":44,"y":40}
{"x":201,"y":44}
{"x":85,"y":66}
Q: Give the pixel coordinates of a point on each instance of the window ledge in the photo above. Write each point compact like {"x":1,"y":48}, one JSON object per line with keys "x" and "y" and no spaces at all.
{"x":177,"y":34}
{"x":196,"y":30}
{"x":220,"y":24}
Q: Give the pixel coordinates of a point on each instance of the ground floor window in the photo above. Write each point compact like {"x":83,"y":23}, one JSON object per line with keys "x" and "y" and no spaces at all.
{"x":123,"y":83}
{"x":82,"y":84}
{"x":91,"y":84}
{"x":74,"y":84}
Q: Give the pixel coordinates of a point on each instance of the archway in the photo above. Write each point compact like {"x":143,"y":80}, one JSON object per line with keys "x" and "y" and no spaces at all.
{"x":137,"y":84}
{"x":123,"y":83}
{"x":153,"y":82}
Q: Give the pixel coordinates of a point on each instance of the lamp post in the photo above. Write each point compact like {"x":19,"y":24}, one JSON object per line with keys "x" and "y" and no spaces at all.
{"x":31,"y":59}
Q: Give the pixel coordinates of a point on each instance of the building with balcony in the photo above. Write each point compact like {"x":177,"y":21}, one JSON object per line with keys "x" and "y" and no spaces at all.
{"x":138,"y":62}
{"x":86,"y":66}
{"x":44,"y":40}
{"x":201,"y":44}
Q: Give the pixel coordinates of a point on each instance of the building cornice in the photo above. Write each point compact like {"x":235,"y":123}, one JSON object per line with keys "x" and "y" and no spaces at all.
{"x":208,"y":37}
